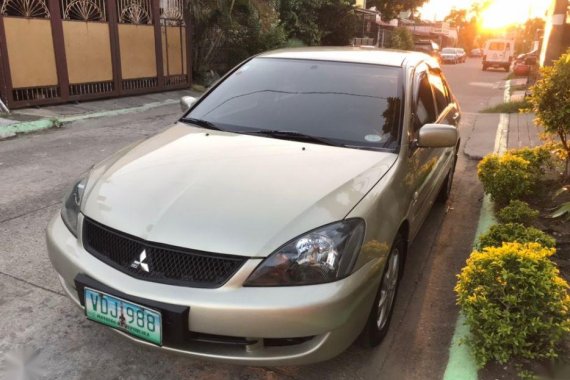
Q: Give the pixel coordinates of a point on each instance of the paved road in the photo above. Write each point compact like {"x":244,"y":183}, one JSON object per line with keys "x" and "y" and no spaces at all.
{"x":36,"y":169}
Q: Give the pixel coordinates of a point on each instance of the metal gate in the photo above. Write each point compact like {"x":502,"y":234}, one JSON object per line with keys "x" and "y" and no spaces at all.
{"x":54,"y":51}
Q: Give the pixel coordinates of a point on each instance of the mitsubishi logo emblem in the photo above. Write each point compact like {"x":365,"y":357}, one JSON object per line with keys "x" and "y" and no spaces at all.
{"x":140,"y":263}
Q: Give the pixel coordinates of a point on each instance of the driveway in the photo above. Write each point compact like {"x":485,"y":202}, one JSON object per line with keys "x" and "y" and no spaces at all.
{"x":36,"y":169}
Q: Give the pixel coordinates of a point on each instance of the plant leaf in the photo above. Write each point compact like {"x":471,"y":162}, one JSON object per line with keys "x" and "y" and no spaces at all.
{"x":560,"y":211}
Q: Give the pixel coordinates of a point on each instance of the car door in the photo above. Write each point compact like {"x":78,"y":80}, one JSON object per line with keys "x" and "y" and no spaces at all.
{"x":447,"y":113}
{"x":421,"y":160}
{"x":433,"y":103}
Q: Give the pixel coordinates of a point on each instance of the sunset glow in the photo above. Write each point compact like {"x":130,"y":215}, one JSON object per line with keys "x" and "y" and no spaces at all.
{"x":499,"y":14}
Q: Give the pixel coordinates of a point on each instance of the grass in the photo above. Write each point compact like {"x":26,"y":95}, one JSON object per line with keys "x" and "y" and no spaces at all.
{"x":508,"y":107}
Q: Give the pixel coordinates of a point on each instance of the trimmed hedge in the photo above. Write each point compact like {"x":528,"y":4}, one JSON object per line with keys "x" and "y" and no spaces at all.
{"x":515,"y":303}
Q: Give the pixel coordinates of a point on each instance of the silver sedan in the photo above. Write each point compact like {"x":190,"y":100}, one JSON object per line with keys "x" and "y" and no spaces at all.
{"x":271,"y":224}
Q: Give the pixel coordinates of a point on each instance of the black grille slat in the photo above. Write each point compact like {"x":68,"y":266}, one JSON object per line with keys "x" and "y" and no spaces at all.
{"x":167,"y":264}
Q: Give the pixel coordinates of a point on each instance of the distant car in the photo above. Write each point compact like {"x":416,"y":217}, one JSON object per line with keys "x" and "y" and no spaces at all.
{"x":475,"y":52}
{"x":270,"y":225}
{"x":462,"y":54}
{"x":450,"y":55}
{"x":524,"y":63}
{"x":498,"y":53}
{"x":429,"y":47}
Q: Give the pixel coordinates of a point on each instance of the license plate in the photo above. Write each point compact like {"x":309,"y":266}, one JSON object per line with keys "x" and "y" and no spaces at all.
{"x":134,"y":319}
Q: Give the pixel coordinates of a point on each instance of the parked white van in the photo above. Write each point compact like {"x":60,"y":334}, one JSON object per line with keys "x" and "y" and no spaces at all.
{"x":498,"y":53}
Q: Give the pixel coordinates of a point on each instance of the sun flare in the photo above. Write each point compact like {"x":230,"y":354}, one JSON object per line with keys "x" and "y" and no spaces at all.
{"x":502,"y":13}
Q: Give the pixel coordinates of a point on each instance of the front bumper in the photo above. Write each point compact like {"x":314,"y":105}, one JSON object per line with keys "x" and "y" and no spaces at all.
{"x":279,"y":325}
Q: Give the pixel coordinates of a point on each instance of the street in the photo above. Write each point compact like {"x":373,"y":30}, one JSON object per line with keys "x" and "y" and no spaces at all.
{"x":37,"y":169}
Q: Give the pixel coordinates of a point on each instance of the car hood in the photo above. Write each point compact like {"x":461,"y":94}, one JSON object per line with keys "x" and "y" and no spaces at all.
{"x":228,"y":193}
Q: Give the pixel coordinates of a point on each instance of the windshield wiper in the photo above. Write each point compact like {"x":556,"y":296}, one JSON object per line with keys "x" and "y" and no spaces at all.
{"x":293,"y":135}
{"x":201,"y":123}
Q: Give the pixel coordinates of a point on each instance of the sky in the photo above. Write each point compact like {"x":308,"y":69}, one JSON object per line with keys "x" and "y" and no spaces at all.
{"x":500,"y":13}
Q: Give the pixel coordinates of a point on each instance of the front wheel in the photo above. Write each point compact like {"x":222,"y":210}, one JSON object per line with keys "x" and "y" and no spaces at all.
{"x":381,"y":313}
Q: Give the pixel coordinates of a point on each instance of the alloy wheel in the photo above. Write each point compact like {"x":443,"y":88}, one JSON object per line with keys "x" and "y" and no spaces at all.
{"x":388,"y":289}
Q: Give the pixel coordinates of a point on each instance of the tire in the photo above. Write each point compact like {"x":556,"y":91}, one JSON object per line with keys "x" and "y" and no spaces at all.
{"x":445,"y":190}
{"x":507,"y":68}
{"x":484,"y":67}
{"x":381,"y":314}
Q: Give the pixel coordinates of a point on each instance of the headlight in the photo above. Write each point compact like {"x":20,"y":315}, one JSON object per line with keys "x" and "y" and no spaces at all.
{"x":323,"y":255}
{"x":72,"y":205}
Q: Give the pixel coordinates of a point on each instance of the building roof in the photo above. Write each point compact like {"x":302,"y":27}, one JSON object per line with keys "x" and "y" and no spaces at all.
{"x":371,"y":55}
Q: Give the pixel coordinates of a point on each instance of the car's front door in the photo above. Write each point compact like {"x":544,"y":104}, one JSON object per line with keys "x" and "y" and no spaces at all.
{"x":432,"y":104}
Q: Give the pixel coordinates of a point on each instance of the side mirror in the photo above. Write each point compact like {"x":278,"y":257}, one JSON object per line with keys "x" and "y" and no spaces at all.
{"x":437,"y":136}
{"x":186,"y":102}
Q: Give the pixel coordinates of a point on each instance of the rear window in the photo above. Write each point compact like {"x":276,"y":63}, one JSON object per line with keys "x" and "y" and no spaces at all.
{"x":449,"y":51}
{"x":357,"y":105}
{"x":497,"y":46}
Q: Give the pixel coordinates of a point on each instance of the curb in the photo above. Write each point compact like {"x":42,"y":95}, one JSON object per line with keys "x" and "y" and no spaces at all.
{"x":461,"y":363}
{"x":42,"y":124}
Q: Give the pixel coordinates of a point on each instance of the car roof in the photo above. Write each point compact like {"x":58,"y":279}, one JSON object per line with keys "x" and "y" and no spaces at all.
{"x":370,"y":55}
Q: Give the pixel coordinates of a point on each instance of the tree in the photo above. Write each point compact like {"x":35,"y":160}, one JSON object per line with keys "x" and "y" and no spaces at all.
{"x":402,"y":39}
{"x":456,"y":17}
{"x":230,"y":31}
{"x":390,"y":9}
{"x":550,"y":101}
{"x":466,"y":29}
{"x":317,"y":22}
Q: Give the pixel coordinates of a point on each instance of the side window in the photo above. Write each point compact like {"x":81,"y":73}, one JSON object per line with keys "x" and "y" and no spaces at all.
{"x":440,"y":92}
{"x":425,"y":106}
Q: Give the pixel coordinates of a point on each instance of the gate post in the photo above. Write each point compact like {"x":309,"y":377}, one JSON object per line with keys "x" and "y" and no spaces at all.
{"x":5,"y":67}
{"x":59,"y":49}
{"x":158,"y":43}
{"x":113,"y":21}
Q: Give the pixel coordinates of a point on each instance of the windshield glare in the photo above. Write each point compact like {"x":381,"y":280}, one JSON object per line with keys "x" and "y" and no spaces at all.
{"x":356,"y":105}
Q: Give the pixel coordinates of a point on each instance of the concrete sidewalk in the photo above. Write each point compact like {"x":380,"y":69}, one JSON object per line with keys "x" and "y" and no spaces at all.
{"x":38,"y":118}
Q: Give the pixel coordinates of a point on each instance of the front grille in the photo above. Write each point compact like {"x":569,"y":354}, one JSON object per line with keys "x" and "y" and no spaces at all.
{"x":162,"y":263}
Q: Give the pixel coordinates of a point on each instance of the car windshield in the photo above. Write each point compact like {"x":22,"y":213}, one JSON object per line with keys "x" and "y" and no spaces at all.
{"x":448,"y":51}
{"x":348,"y":104}
{"x":497,"y":46}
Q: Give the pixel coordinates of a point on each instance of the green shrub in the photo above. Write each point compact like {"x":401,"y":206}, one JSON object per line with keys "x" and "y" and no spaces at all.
{"x":515,"y":303}
{"x":538,"y":157}
{"x":506,"y":177}
{"x":517,"y":212}
{"x":549,"y":99}
{"x":514,"y":232}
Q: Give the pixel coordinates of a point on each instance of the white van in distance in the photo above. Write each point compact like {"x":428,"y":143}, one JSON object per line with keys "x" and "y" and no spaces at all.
{"x":498,"y":53}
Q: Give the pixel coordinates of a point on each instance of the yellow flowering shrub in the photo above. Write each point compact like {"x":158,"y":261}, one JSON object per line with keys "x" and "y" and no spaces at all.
{"x":506,"y":177}
{"x":515,"y":303}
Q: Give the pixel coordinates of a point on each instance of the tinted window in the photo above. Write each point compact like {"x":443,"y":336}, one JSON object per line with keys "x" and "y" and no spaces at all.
{"x":441,"y":97}
{"x":497,"y":46}
{"x":425,"y":108}
{"x":351,"y":104}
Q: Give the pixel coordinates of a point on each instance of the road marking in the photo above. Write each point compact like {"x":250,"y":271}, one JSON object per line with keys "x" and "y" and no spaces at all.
{"x":461,"y":364}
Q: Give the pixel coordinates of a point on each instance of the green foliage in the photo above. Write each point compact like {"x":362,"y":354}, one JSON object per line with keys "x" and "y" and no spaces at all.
{"x":506,"y":177}
{"x":538,"y":157}
{"x":402,"y":39}
{"x":318,"y":22}
{"x":517,"y":212}
{"x":562,"y":210}
{"x":515,"y":303}
{"x":550,"y":101}
{"x":391,"y":8}
{"x":229,"y":31}
{"x":514,"y":232}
